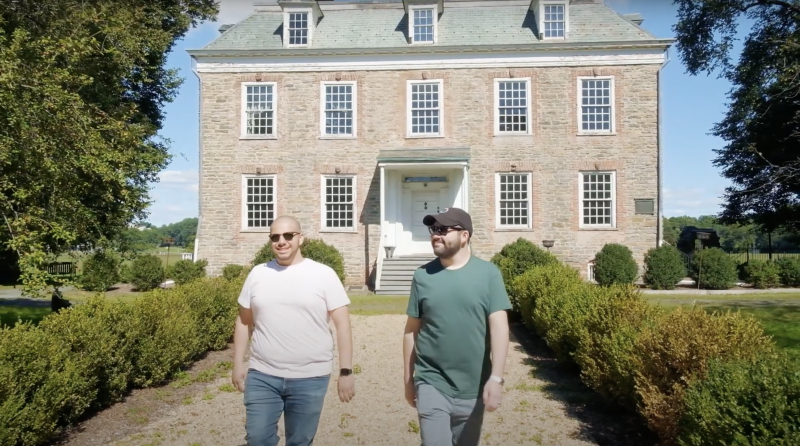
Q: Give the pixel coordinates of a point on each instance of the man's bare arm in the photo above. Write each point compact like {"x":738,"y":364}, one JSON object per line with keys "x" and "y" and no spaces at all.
{"x":409,"y":341}
{"x":498,"y":329}
{"x":344,"y":337}
{"x":241,"y":334}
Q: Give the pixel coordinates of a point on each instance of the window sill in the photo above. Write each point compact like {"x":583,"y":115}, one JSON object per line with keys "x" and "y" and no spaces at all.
{"x":423,"y":136}
{"x":334,"y":138}
{"x":258,"y":137}
{"x":589,"y":228}
{"x":513,"y":230}
{"x":337,"y":231}
{"x":597,"y":133}
{"x":255,"y":231}
{"x":512,"y":135}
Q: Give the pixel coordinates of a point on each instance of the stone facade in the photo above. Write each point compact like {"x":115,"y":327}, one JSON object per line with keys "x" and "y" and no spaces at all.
{"x":554,"y":153}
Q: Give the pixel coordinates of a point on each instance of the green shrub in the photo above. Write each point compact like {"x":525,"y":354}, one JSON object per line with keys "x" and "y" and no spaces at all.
{"x":664,"y":267}
{"x":547,"y":282}
{"x":789,"y":271}
{"x":186,"y":271}
{"x":147,"y":272}
{"x":762,"y":274}
{"x":101,"y":271}
{"x":614,"y":264}
{"x":607,"y":353}
{"x":713,"y":269}
{"x":675,"y":353}
{"x":233,"y":271}
{"x":126,"y":273}
{"x":514,"y":259}
{"x":744,"y":403}
{"x":314,"y":249}
{"x":89,"y":356}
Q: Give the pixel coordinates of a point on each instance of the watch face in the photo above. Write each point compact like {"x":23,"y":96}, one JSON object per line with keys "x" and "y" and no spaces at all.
{"x":344,"y":372}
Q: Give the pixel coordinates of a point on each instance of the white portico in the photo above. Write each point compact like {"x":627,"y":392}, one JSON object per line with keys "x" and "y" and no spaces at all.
{"x":415,"y":183}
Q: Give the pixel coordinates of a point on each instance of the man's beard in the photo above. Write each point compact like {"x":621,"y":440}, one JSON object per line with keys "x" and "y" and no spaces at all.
{"x":445,"y":251}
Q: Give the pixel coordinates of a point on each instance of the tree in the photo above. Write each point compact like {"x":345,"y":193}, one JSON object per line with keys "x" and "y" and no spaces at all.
{"x":762,"y":154}
{"x":82,"y":85}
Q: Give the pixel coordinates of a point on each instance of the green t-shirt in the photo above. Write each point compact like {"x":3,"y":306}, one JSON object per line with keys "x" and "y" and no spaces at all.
{"x":453,"y":348}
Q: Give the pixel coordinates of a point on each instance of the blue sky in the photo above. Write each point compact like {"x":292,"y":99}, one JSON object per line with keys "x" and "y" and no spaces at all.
{"x":691,"y":106}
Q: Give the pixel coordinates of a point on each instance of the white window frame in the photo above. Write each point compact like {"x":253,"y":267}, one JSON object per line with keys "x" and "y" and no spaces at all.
{"x":409,"y":126}
{"x":528,"y":114}
{"x":590,"y":272}
{"x":286,"y":16}
{"x":243,"y":111}
{"x":322,"y":102}
{"x":542,"y":5}
{"x":613,"y":223}
{"x":243,"y":203}
{"x":323,"y":209}
{"x":411,"y":10}
{"x":498,"y":225}
{"x":613,"y":99}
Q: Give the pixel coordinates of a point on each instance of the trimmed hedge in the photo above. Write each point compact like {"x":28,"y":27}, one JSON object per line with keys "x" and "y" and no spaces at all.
{"x":233,"y":271}
{"x":314,"y":249}
{"x":147,"y":272}
{"x":186,"y":271}
{"x":101,"y":270}
{"x":664,"y":267}
{"x":517,"y":257}
{"x":789,"y":271}
{"x":615,"y":265}
{"x":713,"y":269}
{"x":642,"y":356}
{"x":89,"y":356}
{"x":762,"y":274}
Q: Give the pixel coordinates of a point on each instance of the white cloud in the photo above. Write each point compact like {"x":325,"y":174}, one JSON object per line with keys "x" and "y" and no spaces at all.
{"x":694,"y":201}
{"x":179,"y":179}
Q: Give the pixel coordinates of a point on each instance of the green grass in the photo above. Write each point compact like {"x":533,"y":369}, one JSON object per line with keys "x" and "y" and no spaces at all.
{"x":9,"y":316}
{"x":371,"y":305}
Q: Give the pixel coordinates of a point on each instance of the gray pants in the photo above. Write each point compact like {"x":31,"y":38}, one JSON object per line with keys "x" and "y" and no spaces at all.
{"x":446,"y":421}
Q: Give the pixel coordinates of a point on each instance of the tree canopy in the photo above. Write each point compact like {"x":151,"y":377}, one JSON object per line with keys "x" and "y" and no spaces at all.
{"x":82,"y":86}
{"x":762,"y":124}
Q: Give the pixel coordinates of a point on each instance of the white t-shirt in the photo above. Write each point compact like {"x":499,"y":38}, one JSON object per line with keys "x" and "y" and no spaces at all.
{"x":290,"y":304}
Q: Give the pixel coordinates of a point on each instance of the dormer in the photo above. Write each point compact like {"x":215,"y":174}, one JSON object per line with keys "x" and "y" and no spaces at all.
{"x":300,"y":18}
{"x":552,"y":18}
{"x":423,"y":20}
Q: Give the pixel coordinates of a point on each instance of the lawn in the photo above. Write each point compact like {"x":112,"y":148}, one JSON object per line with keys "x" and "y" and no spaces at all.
{"x":779,"y":314}
{"x":10,"y":315}
{"x":370,"y":305}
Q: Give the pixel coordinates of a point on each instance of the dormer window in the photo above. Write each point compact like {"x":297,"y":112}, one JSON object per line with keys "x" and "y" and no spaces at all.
{"x":423,"y":25}
{"x":552,"y":19}
{"x":298,"y":28}
{"x":423,"y":18}
{"x":300,"y":18}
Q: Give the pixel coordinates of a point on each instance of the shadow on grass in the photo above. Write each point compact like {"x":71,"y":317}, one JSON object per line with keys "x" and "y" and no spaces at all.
{"x":602,"y":422}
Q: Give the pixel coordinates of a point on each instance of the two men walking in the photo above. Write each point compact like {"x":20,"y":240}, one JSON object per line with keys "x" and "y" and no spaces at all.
{"x":454,"y":346}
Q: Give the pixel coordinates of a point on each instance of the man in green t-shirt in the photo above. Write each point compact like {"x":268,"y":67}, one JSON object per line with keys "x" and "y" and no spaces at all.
{"x":456,"y":337}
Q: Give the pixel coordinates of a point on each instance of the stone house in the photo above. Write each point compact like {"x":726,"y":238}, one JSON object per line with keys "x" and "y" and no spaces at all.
{"x":539,"y":117}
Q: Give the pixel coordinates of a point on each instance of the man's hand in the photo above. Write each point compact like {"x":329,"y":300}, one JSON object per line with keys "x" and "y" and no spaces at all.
{"x":411,"y":394}
{"x":492,"y":395}
{"x":347,"y":388}
{"x":238,"y":376}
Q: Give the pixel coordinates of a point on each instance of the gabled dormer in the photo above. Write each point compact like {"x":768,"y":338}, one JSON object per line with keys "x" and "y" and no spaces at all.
{"x":552,"y":18}
{"x":300,"y":18}
{"x":423,"y":20}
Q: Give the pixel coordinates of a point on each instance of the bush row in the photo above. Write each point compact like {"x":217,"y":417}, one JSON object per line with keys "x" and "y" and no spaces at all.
{"x":102,"y":269}
{"x":697,"y":378}
{"x":88,"y":356}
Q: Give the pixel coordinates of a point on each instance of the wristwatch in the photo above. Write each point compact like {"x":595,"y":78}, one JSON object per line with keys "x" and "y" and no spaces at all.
{"x":497,"y":379}
{"x":345,"y":372}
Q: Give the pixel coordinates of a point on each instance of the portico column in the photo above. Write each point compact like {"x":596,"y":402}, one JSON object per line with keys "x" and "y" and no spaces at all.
{"x":465,"y":188}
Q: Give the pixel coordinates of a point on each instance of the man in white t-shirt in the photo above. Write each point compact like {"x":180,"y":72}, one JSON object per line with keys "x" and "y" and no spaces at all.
{"x":287,"y":303}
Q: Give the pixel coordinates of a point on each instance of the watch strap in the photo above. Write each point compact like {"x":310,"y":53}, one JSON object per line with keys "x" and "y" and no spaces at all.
{"x":497,"y":379}
{"x":345,"y":372}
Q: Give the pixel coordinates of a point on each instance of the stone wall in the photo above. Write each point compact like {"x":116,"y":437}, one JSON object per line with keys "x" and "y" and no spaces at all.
{"x":554,"y":153}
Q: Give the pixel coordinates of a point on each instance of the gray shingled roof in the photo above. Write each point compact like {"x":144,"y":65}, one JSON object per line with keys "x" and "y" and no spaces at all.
{"x":458,"y":26}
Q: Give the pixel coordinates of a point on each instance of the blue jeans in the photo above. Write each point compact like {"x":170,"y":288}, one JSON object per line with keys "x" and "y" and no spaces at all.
{"x":300,"y":400}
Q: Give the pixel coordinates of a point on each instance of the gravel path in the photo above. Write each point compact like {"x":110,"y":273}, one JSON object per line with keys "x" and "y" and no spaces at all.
{"x":539,"y":406}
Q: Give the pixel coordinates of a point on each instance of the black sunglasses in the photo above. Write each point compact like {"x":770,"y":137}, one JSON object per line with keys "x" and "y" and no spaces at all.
{"x":288,"y":236}
{"x":443,"y":230}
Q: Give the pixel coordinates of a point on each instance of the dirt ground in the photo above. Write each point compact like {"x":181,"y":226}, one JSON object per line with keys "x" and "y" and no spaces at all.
{"x":543,"y":404}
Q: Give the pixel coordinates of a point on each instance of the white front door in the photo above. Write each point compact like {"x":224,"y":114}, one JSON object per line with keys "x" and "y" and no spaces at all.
{"x":423,"y":203}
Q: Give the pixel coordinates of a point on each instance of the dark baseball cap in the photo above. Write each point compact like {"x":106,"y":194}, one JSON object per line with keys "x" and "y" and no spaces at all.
{"x":450,"y":217}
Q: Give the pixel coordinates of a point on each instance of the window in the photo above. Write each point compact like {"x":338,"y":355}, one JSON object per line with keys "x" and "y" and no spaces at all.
{"x":590,"y":272}
{"x":597,"y":199}
{"x":425,"y":108}
{"x":554,"y":21}
{"x":596,"y":104}
{"x":512,"y":102}
{"x":338,"y":202}
{"x":423,"y":25}
{"x":513,"y":200}
{"x":258,"y":201}
{"x":338,"y":106}
{"x":258,"y":109}
{"x":298,"y":28}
